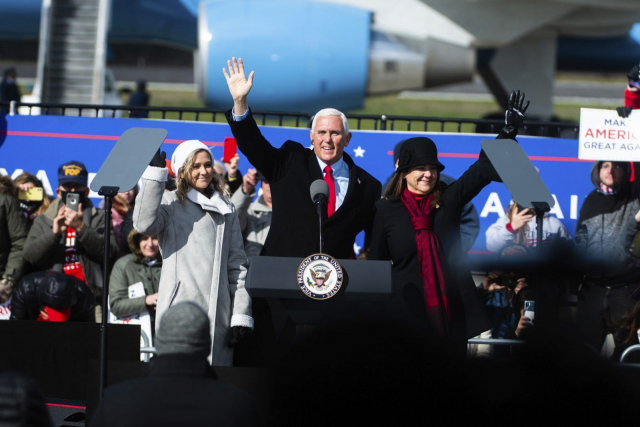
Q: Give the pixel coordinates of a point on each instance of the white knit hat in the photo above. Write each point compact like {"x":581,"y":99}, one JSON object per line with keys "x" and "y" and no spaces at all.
{"x":182,"y":152}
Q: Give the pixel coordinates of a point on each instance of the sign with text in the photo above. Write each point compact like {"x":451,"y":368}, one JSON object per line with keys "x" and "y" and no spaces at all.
{"x":606,"y":136}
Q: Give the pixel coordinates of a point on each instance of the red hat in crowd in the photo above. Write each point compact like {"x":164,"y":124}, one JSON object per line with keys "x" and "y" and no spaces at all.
{"x":61,"y":315}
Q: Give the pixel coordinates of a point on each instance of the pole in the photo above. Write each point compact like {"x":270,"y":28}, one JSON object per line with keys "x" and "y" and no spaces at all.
{"x":319,"y":207}
{"x":541,"y":300}
{"x":108,"y":193}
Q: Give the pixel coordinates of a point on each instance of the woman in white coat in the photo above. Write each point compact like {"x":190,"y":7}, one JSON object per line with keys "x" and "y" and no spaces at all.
{"x":201,"y":244}
{"x":519,"y":227}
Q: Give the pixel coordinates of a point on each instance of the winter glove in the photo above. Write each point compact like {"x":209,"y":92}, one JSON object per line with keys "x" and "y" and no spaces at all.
{"x":514,"y":116}
{"x":158,"y":160}
{"x":239,"y":332}
{"x":634,"y":77}
{"x":624,"y":112}
{"x":516,"y":107}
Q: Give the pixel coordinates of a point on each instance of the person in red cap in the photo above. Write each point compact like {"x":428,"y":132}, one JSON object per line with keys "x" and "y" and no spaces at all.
{"x":52,"y":297}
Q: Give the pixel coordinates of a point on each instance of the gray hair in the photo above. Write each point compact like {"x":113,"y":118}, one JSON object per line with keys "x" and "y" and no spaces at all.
{"x":331,"y":112}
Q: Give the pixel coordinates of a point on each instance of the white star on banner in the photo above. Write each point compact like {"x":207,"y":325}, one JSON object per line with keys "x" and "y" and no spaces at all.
{"x":359,"y":152}
{"x":356,"y":248}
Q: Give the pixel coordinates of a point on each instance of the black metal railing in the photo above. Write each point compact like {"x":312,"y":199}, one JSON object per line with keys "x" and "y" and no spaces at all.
{"x":376,"y":122}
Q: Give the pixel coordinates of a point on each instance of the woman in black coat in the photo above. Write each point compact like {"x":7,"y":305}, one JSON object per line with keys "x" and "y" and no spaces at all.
{"x":417,"y":227}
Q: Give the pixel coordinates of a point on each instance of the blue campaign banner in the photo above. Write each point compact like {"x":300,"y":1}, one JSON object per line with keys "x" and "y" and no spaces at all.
{"x":39,"y":144}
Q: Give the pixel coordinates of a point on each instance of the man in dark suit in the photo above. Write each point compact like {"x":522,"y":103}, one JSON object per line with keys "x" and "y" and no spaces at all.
{"x":292,"y":168}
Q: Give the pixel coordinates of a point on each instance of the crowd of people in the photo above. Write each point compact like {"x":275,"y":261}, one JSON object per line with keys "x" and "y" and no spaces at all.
{"x":181,"y":243}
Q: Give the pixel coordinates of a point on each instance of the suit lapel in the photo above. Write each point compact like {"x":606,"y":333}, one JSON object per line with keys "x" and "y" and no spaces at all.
{"x":314,"y":167}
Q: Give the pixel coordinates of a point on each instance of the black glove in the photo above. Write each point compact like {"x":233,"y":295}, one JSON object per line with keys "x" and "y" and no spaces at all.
{"x":159,"y":159}
{"x":239,"y":332}
{"x":624,"y":112}
{"x":633,"y":74}
{"x":516,"y":107}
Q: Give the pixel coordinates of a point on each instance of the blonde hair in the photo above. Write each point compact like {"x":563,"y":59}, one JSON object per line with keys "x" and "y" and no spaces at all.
{"x":183,"y":180}
{"x":398,"y":184}
{"x":28,"y":177}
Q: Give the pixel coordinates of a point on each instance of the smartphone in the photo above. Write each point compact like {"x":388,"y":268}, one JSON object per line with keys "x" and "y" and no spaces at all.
{"x":73,"y":199}
{"x":530,"y":310}
{"x":33,"y":194}
{"x":229,"y":149}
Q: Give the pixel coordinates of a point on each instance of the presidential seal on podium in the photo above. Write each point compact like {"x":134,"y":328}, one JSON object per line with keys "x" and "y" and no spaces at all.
{"x":320,"y":276}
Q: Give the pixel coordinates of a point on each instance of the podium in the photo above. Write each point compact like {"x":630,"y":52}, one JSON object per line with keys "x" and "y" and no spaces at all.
{"x":366,"y":288}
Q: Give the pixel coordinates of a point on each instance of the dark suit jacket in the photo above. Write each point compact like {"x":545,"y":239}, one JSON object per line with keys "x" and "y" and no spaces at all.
{"x":290,"y":171}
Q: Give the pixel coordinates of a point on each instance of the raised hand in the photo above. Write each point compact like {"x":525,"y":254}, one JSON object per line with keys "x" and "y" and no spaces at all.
{"x":58,"y":222}
{"x":521,"y":218}
{"x":232,"y":165}
{"x":74,"y":218}
{"x":239,"y":85}
{"x":249,"y":181}
{"x":516,"y":108}
{"x":158,"y":159}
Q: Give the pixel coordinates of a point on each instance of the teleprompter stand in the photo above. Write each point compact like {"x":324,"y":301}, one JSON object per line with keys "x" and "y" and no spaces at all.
{"x":525,"y":185}
{"x":120,"y":171}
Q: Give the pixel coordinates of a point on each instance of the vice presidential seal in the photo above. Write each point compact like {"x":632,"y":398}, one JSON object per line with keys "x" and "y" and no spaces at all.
{"x":320,"y":276}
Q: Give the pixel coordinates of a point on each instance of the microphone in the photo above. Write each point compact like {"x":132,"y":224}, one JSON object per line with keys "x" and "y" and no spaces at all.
{"x":319,"y":192}
{"x":320,"y":195}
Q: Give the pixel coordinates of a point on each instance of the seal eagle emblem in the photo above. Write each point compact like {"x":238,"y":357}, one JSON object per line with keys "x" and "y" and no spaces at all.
{"x":320,"y":276}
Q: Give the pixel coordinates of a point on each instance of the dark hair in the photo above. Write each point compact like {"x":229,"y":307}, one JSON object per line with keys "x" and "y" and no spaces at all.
{"x":22,"y":402}
{"x":398,"y":184}
{"x":631,"y":320}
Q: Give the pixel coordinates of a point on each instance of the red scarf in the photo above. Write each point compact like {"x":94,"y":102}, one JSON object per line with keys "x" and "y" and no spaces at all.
{"x":430,"y":257}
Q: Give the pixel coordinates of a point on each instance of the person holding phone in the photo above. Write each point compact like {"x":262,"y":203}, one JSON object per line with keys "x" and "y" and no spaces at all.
{"x":69,"y":236}
{"x":201,"y":244}
{"x":33,"y":200}
{"x":519,"y":227}
{"x":13,"y":233}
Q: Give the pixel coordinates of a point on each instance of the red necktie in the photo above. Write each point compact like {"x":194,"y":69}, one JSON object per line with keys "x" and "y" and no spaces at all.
{"x":328,"y":178}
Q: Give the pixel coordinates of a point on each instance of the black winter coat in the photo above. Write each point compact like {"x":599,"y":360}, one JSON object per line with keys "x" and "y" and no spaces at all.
{"x":394,"y":238}
{"x":55,"y":290}
{"x":290,"y":171}
{"x":180,"y":391}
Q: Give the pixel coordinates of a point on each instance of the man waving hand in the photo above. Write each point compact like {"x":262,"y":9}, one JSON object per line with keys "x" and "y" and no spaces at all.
{"x":292,"y":168}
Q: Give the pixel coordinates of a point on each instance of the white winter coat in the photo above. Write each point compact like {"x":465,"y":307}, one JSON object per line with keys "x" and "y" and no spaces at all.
{"x":498,"y":237}
{"x":255,"y":221}
{"x":203,"y":257}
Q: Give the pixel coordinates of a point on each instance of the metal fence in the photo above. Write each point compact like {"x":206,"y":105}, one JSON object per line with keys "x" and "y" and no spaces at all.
{"x":376,"y":122}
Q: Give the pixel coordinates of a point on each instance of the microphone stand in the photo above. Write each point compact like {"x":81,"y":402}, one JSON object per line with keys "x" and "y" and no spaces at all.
{"x":320,"y":202}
